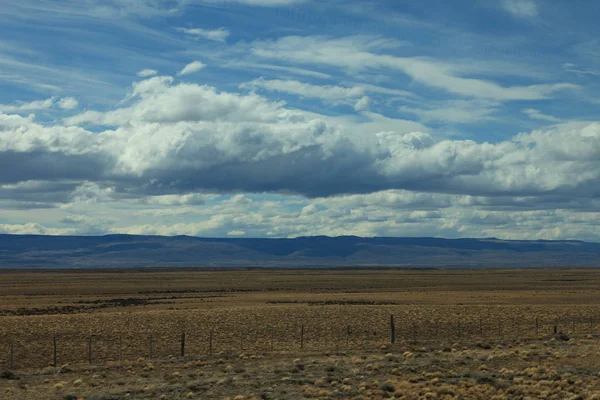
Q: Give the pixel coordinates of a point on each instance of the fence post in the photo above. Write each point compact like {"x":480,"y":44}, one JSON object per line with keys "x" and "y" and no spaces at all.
{"x":150,"y":347}
{"x":54,"y":363}
{"x":90,"y":349}
{"x":302,"y":337}
{"x":182,"y":344}
{"x":536,"y":327}
{"x":348,"y":332}
{"x":392,"y":330}
{"x":518,"y":328}
{"x":11,"y":355}
{"x":500,"y":330}
{"x":272,"y":338}
{"x":210,"y":341}
{"x":121,"y":350}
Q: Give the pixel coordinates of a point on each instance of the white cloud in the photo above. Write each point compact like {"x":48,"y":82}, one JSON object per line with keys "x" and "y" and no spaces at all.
{"x":145,"y":73}
{"x":332,"y":93}
{"x":536,"y":114}
{"x":68,"y":103}
{"x":360,"y":53}
{"x":192,"y":67}
{"x":34,"y":229}
{"x":362,"y":104}
{"x":456,"y":111}
{"x":325,"y":92}
{"x":521,"y":8}
{"x":175,"y":140}
{"x":175,"y":199}
{"x":282,"y":68}
{"x":65,"y":103}
{"x":30,"y":106}
{"x":193,"y":128}
{"x":218,"y":35}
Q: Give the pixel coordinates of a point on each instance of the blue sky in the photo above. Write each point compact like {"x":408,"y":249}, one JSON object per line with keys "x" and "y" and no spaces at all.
{"x":283,"y":118}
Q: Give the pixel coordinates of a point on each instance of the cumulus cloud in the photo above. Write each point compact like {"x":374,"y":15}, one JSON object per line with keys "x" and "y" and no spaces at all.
{"x":217,"y":35}
{"x":192,"y":67}
{"x":179,"y":138}
{"x":68,"y":103}
{"x":145,"y":73}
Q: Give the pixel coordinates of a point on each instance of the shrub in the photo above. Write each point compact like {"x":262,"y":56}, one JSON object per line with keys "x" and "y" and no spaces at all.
{"x":387,"y":387}
{"x":9,"y":375}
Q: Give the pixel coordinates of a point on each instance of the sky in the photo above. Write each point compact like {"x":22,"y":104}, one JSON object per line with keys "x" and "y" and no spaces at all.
{"x":286,"y":118}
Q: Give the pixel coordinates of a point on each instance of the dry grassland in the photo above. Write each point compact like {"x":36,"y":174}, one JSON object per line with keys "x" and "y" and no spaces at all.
{"x":300,"y":334}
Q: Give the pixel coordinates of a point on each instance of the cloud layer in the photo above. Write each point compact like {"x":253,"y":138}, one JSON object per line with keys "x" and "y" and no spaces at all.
{"x":177,"y":138}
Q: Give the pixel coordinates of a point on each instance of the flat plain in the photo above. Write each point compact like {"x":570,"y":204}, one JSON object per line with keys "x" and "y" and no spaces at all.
{"x":283,"y":333}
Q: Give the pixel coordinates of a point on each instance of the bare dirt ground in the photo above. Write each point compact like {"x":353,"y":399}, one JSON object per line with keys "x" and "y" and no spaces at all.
{"x":278,"y":334}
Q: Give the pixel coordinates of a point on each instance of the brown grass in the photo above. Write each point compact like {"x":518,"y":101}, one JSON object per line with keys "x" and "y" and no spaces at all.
{"x":480,"y":324}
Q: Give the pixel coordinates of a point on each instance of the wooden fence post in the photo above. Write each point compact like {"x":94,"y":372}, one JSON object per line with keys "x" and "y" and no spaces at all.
{"x":302,"y":337}
{"x":392,"y":330}
{"x":90,"y":349}
{"x":54,"y":351}
{"x":182,"y":344}
{"x":536,"y":327}
{"x":500,"y":332}
{"x":348,"y":336}
{"x":11,"y":355}
{"x":121,"y":350}
{"x":150,"y":347}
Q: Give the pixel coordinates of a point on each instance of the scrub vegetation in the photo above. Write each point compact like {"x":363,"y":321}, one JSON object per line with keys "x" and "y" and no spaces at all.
{"x":273,"y":334}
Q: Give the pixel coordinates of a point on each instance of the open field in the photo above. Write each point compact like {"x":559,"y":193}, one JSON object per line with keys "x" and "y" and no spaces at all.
{"x":308,"y":333}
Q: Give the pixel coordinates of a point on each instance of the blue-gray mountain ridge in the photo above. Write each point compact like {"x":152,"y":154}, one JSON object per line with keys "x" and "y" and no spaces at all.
{"x":123,"y":251}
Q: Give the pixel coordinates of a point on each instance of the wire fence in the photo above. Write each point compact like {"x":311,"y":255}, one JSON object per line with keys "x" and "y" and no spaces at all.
{"x":74,"y":347}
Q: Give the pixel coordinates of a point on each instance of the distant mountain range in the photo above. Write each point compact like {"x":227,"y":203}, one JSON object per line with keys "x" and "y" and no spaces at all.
{"x":120,"y":251}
